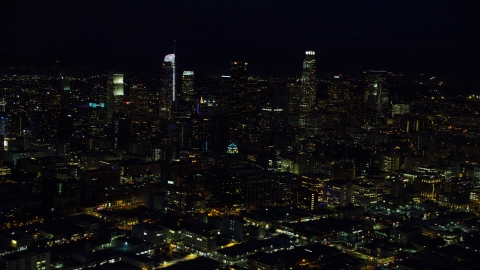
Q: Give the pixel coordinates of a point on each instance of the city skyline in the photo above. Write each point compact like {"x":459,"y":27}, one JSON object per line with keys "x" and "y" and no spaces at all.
{"x":272,"y":135}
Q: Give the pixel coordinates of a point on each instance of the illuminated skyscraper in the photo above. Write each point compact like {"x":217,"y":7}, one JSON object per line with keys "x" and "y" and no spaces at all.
{"x":309,"y":84}
{"x":188,"y":91}
{"x":115,"y":94}
{"x":167,"y":88}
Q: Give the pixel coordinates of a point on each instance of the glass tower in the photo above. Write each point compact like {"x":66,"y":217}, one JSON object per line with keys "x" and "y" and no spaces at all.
{"x":115,"y":94}
{"x":188,"y":91}
{"x":308,"y":85}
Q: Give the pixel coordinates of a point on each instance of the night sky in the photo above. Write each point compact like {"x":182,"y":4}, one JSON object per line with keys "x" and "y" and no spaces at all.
{"x":145,"y":30}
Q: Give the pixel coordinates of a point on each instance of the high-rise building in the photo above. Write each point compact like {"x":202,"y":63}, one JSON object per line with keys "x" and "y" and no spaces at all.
{"x":238,"y":73}
{"x":188,"y":91}
{"x":337,"y":107}
{"x":376,"y":95}
{"x":309,"y":84}
{"x":140,"y":103}
{"x":294,"y":99}
{"x":236,"y":99}
{"x":337,"y":192}
{"x":275,"y":115}
{"x":3,"y":117}
{"x":115,"y":94}
{"x":65,"y":119}
{"x":167,"y":88}
{"x":121,"y":129}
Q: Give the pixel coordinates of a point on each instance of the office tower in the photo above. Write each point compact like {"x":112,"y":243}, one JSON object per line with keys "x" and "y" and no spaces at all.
{"x":65,"y":119}
{"x":222,"y":97}
{"x":219,"y":140}
{"x":200,"y":132}
{"x":180,"y":137}
{"x":121,"y":129}
{"x":183,"y":109}
{"x":430,"y":186}
{"x":309,"y":84}
{"x":115,"y":94}
{"x":238,"y":73}
{"x":188,"y":91}
{"x":276,"y":115}
{"x":294,"y":99}
{"x":364,"y":195}
{"x":236,"y":101}
{"x":253,"y":94}
{"x":337,"y":104}
{"x":3,"y":117}
{"x":375,"y":95}
{"x":397,"y":188}
{"x":140,"y":103}
{"x":167,"y":87}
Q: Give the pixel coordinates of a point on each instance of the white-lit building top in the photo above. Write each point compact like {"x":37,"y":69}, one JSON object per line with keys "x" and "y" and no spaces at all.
{"x":170,"y":58}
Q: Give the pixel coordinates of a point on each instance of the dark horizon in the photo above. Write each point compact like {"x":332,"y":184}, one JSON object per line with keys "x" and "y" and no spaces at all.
{"x":410,"y":33}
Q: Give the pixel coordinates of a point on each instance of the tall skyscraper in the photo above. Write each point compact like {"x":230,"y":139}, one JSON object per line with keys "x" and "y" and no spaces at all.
{"x":65,"y":120}
{"x":115,"y":94}
{"x":188,"y":91}
{"x":309,"y":84}
{"x":337,"y":101}
{"x":3,"y":117}
{"x":167,"y":88}
{"x":139,"y":97}
{"x":275,"y":113}
{"x":237,"y":96}
{"x":294,"y":99}
{"x":376,"y":95}
{"x":238,"y":73}
{"x":121,"y":129}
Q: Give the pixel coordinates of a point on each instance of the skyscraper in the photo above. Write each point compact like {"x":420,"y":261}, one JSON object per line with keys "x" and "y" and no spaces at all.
{"x":115,"y":94}
{"x":188,"y":91}
{"x":337,"y":108}
{"x":238,"y":72}
{"x":139,"y":97}
{"x":238,"y":89}
{"x":65,"y":120}
{"x":275,"y":113}
{"x":309,"y":84}
{"x":167,"y":88}
{"x":121,"y":129}
{"x":294,"y":98}
{"x":376,"y":94}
